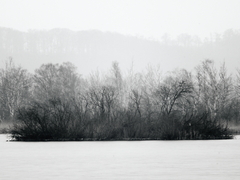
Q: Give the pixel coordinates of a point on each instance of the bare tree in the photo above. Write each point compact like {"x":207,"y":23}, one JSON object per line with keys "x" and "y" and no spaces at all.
{"x":56,"y":80}
{"x":14,"y":86}
{"x":172,"y":89}
{"x":213,"y":87}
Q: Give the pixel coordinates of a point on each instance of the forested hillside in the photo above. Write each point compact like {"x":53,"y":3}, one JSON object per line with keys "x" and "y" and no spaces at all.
{"x":89,"y":50}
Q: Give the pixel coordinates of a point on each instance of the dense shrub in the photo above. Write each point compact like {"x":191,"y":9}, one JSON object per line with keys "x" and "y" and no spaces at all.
{"x":50,"y":120}
{"x":57,"y":120}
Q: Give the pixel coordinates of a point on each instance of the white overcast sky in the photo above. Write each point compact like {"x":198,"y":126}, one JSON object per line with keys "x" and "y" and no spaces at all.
{"x":147,"y":18}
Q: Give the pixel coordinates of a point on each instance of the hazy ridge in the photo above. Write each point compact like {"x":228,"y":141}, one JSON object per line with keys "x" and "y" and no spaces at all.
{"x":93,"y":49}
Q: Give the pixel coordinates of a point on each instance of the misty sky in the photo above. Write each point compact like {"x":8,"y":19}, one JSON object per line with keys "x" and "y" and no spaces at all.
{"x":146,"y":18}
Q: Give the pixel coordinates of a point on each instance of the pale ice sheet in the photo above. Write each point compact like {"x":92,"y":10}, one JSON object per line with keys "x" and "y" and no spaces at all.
{"x":212,"y":159}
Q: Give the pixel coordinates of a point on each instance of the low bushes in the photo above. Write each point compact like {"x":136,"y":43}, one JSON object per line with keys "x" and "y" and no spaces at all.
{"x":50,"y":120}
{"x":58,"y":120}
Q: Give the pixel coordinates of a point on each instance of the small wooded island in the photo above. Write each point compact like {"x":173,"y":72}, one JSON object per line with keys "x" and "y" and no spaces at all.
{"x":56,"y":104}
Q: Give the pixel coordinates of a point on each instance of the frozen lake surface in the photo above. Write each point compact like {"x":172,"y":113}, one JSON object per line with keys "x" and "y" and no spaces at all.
{"x":212,"y":159}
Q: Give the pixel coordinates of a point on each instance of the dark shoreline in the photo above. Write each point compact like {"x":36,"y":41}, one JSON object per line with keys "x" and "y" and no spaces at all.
{"x":120,"y":139}
{"x":7,"y":132}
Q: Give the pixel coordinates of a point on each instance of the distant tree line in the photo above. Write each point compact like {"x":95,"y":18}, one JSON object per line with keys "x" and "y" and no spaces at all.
{"x":62,"y":41}
{"x":56,"y":103}
{"x":56,"y":45}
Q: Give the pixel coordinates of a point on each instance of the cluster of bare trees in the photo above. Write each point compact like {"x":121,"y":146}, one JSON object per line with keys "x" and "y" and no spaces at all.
{"x":14,"y":89}
{"x":56,"y":103}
